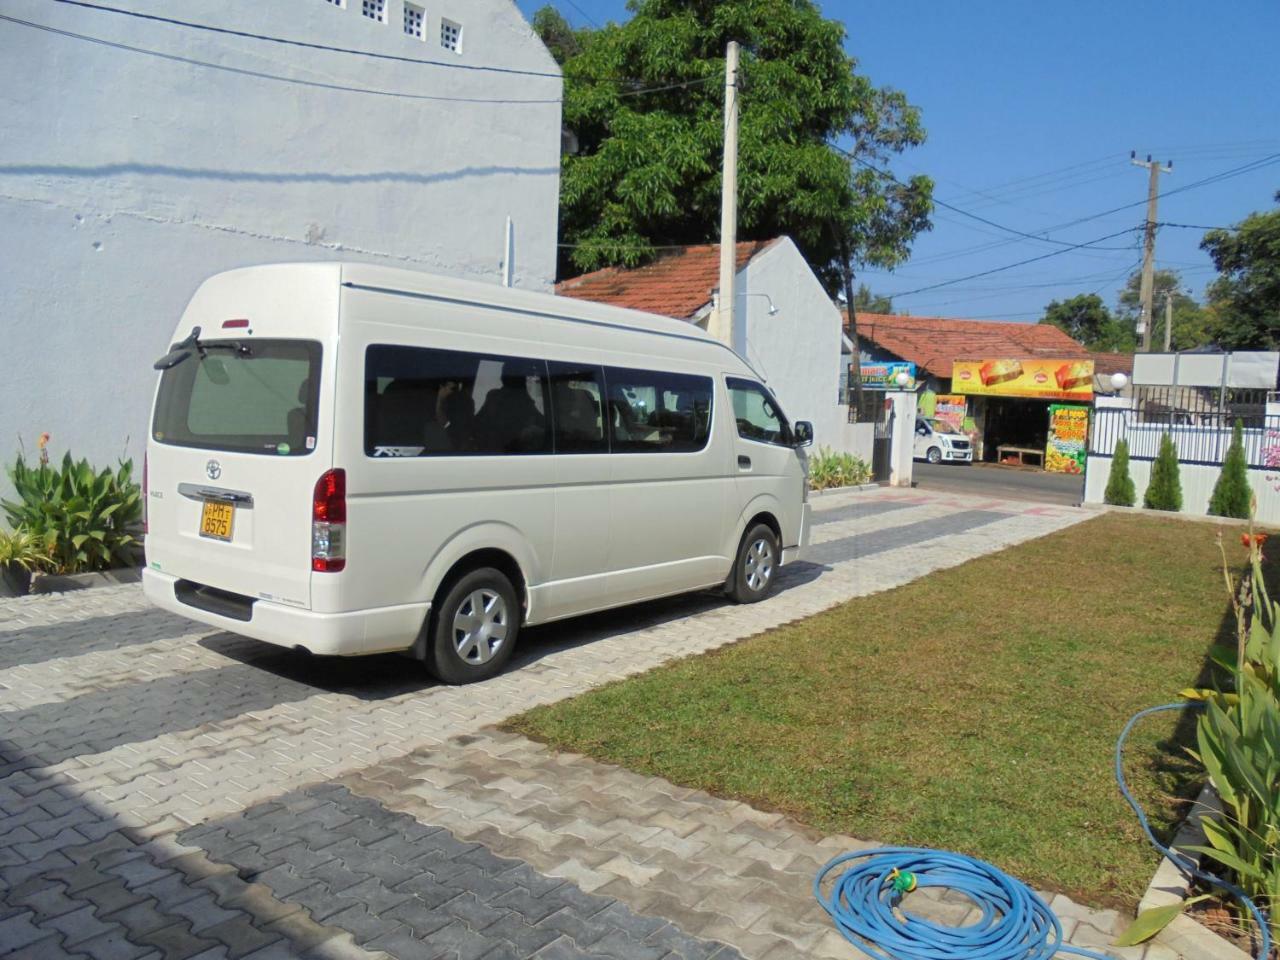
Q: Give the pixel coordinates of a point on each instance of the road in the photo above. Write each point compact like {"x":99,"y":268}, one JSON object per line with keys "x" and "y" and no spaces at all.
{"x":1007,"y":483}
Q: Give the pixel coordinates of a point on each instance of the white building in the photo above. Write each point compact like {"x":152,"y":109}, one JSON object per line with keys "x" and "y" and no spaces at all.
{"x":140,"y":156}
{"x":784,"y":323}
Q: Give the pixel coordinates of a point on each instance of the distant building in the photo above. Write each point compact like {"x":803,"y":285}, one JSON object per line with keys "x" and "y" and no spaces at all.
{"x":999,"y":382}
{"x":139,"y":157}
{"x":784,"y":323}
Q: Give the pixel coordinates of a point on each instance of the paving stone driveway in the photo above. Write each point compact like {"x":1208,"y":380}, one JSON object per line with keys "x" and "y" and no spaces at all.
{"x":171,"y":791}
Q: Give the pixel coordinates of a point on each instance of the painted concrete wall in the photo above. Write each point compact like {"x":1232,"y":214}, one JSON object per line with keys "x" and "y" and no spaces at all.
{"x":127,"y":178}
{"x":1197,"y":486}
{"x":797,"y":350}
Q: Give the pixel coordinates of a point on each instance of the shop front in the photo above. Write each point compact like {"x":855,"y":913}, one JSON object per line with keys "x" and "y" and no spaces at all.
{"x":1031,"y":412}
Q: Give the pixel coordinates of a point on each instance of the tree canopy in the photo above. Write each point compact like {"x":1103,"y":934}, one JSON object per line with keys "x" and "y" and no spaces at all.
{"x":645,"y":101}
{"x":1086,"y":318}
{"x":1245,"y":299}
{"x":866,"y":301}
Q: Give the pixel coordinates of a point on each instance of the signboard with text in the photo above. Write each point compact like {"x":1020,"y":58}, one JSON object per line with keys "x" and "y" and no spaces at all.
{"x":884,"y":376}
{"x":952,"y":409}
{"x":1043,"y":379}
{"x":1068,"y":438}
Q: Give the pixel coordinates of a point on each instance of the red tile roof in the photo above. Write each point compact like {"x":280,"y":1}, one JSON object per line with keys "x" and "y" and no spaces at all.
{"x":1105,"y":364}
{"x":678,"y":284}
{"x":933,"y":343}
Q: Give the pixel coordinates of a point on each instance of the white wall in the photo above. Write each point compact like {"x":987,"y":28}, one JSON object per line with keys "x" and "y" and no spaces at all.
{"x":1197,"y":486}
{"x":126,"y":178}
{"x":797,"y":350}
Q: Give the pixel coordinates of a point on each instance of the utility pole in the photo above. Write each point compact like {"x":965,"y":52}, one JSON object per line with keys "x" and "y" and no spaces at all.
{"x":723,"y":314}
{"x":1149,"y":245}
{"x":1168,"y":320}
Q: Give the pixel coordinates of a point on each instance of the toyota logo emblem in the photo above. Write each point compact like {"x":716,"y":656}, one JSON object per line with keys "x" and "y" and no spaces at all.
{"x":214,"y":469}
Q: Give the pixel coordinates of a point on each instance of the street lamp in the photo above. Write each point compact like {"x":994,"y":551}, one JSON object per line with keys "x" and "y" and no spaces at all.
{"x":1119,"y":381}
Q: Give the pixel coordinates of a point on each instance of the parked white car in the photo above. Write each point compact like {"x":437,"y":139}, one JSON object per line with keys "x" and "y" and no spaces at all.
{"x":937,"y":440}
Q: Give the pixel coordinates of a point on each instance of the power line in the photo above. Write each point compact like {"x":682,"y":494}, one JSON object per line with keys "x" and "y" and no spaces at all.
{"x":370,"y":54}
{"x":964,"y":213}
{"x":262,"y":75}
{"x":248,"y":35}
{"x":590,"y":19}
{"x":1010,"y":266}
{"x":320,"y":84}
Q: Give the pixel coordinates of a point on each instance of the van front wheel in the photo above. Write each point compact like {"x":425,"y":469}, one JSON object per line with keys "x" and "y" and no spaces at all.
{"x":474,"y":629}
{"x":756,"y":567}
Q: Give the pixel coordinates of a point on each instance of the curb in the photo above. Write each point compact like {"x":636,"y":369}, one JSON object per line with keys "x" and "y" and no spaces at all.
{"x":1165,"y":514}
{"x":857,"y":488}
{"x":1170,"y":886}
{"x":54,"y":583}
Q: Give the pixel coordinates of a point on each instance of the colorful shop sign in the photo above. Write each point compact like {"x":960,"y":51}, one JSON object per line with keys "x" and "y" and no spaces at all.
{"x":884,"y":376}
{"x":951,"y":408}
{"x":1059,"y":379}
{"x":1068,"y":438}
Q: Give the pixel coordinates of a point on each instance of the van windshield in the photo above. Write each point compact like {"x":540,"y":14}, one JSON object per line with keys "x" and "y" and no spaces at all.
{"x":262,"y":399}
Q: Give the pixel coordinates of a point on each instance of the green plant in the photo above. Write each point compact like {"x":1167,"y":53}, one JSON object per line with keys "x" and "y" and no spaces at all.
{"x":828,"y":468}
{"x":85,"y":516}
{"x":1231,"y":494}
{"x":1238,"y":740}
{"x":1120,"y":491}
{"x":1164,"y":490}
{"x":25,"y":550}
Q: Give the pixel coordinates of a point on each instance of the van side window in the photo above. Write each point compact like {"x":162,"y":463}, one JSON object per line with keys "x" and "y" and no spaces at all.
{"x":652,"y":412}
{"x":577,"y":407}
{"x":757,"y":414}
{"x":422,"y":402}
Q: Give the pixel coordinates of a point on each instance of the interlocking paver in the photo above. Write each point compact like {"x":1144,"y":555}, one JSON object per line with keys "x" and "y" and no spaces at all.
{"x":130,"y":726}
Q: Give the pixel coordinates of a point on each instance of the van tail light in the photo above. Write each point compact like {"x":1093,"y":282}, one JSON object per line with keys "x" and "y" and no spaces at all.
{"x":146,"y":494}
{"x":329,"y":522}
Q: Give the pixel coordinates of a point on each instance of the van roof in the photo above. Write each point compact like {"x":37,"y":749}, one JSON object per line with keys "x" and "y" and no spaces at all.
{"x":433,"y":286}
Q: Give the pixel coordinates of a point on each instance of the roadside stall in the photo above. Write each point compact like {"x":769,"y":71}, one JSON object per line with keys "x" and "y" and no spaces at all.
{"x":1014,"y":408}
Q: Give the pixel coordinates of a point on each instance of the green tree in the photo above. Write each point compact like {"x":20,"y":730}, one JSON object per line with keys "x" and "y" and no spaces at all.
{"x":1120,"y":491}
{"x":647,"y":172}
{"x":1164,"y":489}
{"x":1190,"y":321}
{"x":559,"y":36}
{"x":1086,"y":318}
{"x":864,"y":301}
{"x":1232,"y":494}
{"x":1246,"y":297}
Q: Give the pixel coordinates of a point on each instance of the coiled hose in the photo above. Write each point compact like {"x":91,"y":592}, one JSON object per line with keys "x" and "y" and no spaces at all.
{"x":865,"y":901}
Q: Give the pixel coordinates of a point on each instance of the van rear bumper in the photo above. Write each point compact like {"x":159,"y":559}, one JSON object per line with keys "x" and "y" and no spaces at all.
{"x":352,"y":633}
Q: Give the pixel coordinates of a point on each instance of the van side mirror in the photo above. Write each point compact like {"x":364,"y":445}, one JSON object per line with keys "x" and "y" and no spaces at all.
{"x":803,"y":433}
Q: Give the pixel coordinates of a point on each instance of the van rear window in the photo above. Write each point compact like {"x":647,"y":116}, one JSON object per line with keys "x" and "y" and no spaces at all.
{"x":260,"y":399}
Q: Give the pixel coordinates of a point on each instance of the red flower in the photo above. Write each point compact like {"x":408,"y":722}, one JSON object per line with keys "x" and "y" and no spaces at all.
{"x":1253,"y":539}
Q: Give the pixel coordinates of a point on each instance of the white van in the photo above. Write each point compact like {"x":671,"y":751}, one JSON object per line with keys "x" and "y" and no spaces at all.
{"x":938,"y":440}
{"x":352,"y":459}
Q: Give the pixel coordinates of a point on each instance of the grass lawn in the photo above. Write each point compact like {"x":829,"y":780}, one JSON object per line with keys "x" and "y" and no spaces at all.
{"x":974,"y":710}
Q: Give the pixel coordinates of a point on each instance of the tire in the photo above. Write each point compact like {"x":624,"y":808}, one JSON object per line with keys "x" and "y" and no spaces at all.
{"x":934,"y":455}
{"x":756,"y":567}
{"x":463,"y":646}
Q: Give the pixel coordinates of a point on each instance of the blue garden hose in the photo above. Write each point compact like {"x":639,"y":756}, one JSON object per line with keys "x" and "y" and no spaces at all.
{"x":865,"y":901}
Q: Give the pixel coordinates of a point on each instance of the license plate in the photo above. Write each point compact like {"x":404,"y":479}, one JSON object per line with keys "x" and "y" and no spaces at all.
{"x":217,"y":519}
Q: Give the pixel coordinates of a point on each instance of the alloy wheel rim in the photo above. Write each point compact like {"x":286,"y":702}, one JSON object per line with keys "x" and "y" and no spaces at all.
{"x":480,"y":626}
{"x":759,"y":566}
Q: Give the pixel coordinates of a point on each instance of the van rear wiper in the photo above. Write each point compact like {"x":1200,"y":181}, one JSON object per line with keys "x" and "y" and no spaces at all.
{"x":193,"y":344}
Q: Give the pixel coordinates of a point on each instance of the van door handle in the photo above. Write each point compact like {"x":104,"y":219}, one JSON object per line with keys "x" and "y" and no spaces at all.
{"x":744,"y":463}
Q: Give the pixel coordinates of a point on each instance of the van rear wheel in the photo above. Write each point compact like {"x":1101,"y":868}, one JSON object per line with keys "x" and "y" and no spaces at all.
{"x":756,"y":567}
{"x":473,"y":630}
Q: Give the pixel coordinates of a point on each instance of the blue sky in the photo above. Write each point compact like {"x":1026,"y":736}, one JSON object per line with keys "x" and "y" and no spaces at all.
{"x":1032,"y":109}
